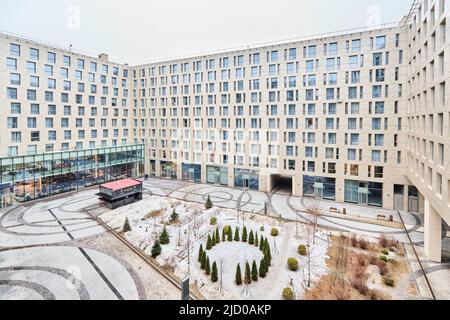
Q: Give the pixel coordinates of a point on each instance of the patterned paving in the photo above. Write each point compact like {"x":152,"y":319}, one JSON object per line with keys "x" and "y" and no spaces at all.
{"x":41,"y":256}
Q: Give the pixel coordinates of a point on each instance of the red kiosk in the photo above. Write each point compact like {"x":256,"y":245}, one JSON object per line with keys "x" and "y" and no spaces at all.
{"x":119,"y":193}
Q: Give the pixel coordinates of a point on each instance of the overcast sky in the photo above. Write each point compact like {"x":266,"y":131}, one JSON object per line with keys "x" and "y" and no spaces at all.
{"x":137,"y":31}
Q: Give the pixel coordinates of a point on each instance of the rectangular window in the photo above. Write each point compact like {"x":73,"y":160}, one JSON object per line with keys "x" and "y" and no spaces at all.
{"x":15,"y":50}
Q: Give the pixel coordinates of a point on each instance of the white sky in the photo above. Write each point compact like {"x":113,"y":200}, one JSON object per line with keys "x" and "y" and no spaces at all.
{"x":137,"y":31}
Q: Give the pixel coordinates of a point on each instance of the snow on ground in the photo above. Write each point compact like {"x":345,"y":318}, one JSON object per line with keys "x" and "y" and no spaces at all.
{"x":192,"y":229}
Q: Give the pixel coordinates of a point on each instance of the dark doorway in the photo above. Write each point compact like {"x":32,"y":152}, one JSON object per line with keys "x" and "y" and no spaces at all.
{"x":282,"y":185}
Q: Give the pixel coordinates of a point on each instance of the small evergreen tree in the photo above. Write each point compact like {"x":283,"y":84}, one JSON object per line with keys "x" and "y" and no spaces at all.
{"x":126,"y":226}
{"x":208,"y":204}
{"x":203,"y":262}
{"x":213,"y":239}
{"x":209,"y":243}
{"x":224,"y":235}
{"x":256,"y":240}
{"x":238,"y":275}
{"x":217,"y":236}
{"x":229,"y":234}
{"x":251,"y":238}
{"x":214,"y":277}
{"x":254,"y":271}
{"x":200,"y":253}
{"x":164,"y":237}
{"x":236,"y":234}
{"x":174,"y":216}
{"x":261,"y":244}
{"x":262,"y":268}
{"x":207,"y":267}
{"x":244,"y":234}
{"x":156,"y":249}
{"x":248,"y":274}
{"x":267,"y":254}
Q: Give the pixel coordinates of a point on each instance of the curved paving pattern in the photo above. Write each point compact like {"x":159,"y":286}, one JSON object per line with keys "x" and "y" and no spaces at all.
{"x":41,"y":256}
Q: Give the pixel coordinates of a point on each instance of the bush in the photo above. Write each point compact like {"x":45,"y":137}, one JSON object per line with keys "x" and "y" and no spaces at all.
{"x":292,"y":264}
{"x":248,"y":274}
{"x":261,"y":229}
{"x":156,"y":249}
{"x":236,"y":234}
{"x":217,"y":238}
{"x":208,"y":204}
{"x":213,"y":221}
{"x":288,"y":294}
{"x":262,"y":268}
{"x":360,"y":284}
{"x":251,"y":238}
{"x":274,"y":232}
{"x":383,"y":258}
{"x":164,"y":237}
{"x":363,"y":244}
{"x":388,"y":281}
{"x":385,"y":251}
{"x":200,"y":253}
{"x":254,"y":271}
{"x":174,"y":216}
{"x":209,"y":243}
{"x":126,"y":226}
{"x":302,"y":250}
{"x":214,"y":277}
{"x":244,"y":234}
{"x":238,"y":276}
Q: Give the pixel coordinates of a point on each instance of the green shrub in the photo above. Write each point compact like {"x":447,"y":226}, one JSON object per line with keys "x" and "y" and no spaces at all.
{"x":156,"y":249}
{"x":388,"y":281}
{"x":214,"y":277}
{"x":292,"y":264}
{"x":288,"y":294}
{"x":274,"y":232}
{"x":261,"y":229}
{"x":164,"y":237}
{"x":213,"y":221}
{"x":238,"y":275}
{"x":385,"y":251}
{"x":208,"y":204}
{"x":302,"y":250}
{"x":383,"y":258}
{"x":174,"y":216}
{"x":126,"y":226}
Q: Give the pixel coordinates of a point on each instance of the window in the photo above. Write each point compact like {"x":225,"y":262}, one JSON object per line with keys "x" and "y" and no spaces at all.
{"x":11,"y":64}
{"x":31,"y":67}
{"x":51,"y":57}
{"x":16,"y":108}
{"x":381,"y":42}
{"x":66,"y":61}
{"x":356,"y":45}
{"x":15,"y":50}
{"x":34,"y":81}
{"x":48,"y":70}
{"x":34,"y":54}
{"x":11,"y":93}
{"x":15,"y":79}
{"x":377,"y":59}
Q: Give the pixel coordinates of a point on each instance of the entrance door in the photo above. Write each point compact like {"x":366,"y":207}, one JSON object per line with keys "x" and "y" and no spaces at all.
{"x":318,"y":190}
{"x":191,"y":174}
{"x":363,"y":193}
{"x":246,"y":183}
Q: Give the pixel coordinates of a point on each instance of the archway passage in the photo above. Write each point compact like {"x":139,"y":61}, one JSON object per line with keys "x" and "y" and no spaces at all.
{"x":281,"y":184}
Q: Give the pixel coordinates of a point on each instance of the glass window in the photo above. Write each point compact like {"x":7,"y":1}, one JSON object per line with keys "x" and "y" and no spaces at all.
{"x":11,"y":64}
{"x":15,"y":79}
{"x":381,"y":42}
{"x":15,"y":50}
{"x":51,"y":57}
{"x":34,"y":54}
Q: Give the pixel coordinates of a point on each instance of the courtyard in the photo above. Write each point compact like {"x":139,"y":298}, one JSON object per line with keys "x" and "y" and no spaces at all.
{"x":58,"y":248}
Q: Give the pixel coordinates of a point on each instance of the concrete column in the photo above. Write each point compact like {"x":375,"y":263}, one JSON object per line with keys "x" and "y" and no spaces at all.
{"x":433,"y":231}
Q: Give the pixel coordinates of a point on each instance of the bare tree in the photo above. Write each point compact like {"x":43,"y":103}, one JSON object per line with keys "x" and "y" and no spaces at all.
{"x":315,"y":212}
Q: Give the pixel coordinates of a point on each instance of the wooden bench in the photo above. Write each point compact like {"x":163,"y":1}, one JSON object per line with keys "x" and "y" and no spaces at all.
{"x":335,"y":210}
{"x":383,"y":217}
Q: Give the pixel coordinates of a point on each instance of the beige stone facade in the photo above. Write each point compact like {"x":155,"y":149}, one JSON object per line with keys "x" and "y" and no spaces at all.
{"x":360,"y":116}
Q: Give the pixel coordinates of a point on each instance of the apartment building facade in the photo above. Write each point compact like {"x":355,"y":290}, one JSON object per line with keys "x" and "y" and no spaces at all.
{"x":428,"y":116}
{"x":358,"y":117}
